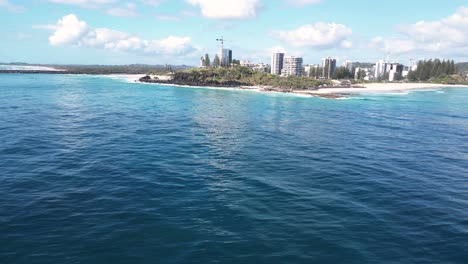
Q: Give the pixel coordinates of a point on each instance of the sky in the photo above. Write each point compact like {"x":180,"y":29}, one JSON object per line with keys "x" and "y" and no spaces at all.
{"x":181,"y":31}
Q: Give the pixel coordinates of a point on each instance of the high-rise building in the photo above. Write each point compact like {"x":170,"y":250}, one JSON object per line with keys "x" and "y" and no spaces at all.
{"x":292,"y":66}
{"x":225,"y":57}
{"x":277,"y":60}
{"x":380,"y":69}
{"x":329,"y":67}
{"x":395,"y":72}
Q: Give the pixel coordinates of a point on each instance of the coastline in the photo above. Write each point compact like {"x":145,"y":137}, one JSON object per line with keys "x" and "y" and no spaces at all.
{"x":329,"y":93}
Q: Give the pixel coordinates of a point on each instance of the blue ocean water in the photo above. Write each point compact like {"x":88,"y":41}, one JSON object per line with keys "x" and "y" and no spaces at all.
{"x":98,"y":170}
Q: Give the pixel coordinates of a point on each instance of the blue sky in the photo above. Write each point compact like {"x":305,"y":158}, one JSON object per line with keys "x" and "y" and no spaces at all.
{"x":180,"y":31}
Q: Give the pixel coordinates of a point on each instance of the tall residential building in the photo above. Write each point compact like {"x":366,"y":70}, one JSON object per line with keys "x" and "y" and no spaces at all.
{"x":380,"y":69}
{"x":277,"y":60}
{"x":292,"y":66}
{"x":225,"y":57}
{"x":329,"y":67}
{"x":396,"y":70}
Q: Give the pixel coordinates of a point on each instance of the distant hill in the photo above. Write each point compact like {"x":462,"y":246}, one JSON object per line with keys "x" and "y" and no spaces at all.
{"x":462,"y":67}
{"x":363,"y":64}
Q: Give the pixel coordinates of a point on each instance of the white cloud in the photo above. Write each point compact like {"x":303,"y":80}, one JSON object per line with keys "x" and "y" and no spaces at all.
{"x":446,"y":36}
{"x":84,"y":3}
{"x":71,"y":31}
{"x":11,"y":7}
{"x":303,"y":2}
{"x":318,"y":35}
{"x":227,"y":9}
{"x":128,"y":10}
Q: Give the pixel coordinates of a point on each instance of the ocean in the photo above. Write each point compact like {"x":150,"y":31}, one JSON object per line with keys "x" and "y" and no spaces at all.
{"x":102,"y":170}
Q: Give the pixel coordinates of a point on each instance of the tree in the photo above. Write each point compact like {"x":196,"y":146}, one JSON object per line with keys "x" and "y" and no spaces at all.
{"x":342,"y":73}
{"x":432,"y":69}
{"x":361,"y":74}
{"x":207,"y":60}
{"x":216,"y":61}
{"x":236,"y":62}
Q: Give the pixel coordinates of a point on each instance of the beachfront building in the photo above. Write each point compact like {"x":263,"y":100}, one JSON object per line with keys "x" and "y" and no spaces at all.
{"x":328,"y":67}
{"x":277,"y":61}
{"x":246,"y":63}
{"x":395,"y":72}
{"x":261,"y":67}
{"x":225,"y":57}
{"x":292,"y":66}
{"x":381,"y":68}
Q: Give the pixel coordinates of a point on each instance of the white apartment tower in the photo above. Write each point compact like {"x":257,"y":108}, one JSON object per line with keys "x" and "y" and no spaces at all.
{"x":277,"y":60}
{"x":328,"y":67}
{"x":292,"y":66}
{"x":380,"y":69}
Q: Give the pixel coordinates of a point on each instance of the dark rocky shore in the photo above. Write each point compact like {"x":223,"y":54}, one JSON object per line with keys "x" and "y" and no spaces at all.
{"x":186,"y":79}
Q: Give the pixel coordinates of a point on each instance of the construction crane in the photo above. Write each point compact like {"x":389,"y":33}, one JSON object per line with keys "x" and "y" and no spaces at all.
{"x":222,"y":40}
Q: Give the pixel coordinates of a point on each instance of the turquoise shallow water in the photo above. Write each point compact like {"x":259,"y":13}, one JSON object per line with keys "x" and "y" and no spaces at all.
{"x":96,"y":170}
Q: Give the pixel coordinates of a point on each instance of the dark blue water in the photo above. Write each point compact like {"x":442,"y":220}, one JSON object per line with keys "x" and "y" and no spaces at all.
{"x":95,"y":170}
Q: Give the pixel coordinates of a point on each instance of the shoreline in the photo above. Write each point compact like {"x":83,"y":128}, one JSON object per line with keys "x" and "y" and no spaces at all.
{"x":329,"y":93}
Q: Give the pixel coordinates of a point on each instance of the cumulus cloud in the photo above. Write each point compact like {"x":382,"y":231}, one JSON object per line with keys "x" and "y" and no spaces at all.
{"x":227,"y":9}
{"x":318,"y":35}
{"x":445,"y":36}
{"x":70,"y":30}
{"x":11,"y":7}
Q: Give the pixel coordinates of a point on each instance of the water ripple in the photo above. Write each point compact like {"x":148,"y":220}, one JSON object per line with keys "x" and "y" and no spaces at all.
{"x":95,"y":170}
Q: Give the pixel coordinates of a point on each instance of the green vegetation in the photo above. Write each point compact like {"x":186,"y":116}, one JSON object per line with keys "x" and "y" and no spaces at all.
{"x":432,"y":70}
{"x":462,"y":67}
{"x":239,"y":75}
{"x":342,"y":73}
{"x":216,"y":61}
{"x":450,"y":79}
{"x":207,"y":60}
